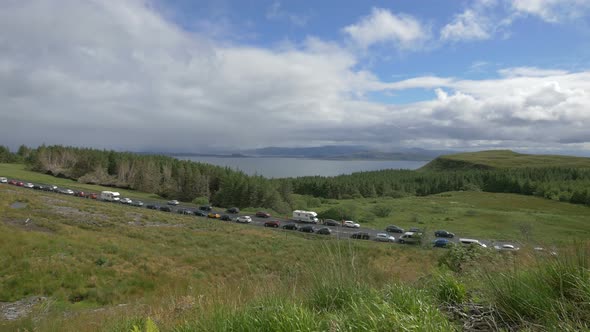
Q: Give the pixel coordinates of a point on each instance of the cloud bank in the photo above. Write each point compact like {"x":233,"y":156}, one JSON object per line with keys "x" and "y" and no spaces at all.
{"x":117,"y":75}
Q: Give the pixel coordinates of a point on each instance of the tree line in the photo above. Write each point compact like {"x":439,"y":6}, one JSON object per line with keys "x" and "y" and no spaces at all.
{"x":563,"y":184}
{"x":194,"y":181}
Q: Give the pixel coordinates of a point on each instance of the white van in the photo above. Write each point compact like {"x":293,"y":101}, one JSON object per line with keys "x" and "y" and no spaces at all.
{"x":110,"y":196}
{"x":472,"y":241}
{"x":305,"y":216}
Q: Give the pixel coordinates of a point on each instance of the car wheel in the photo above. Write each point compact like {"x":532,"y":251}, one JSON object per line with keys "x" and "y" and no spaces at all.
{"x":401,"y":241}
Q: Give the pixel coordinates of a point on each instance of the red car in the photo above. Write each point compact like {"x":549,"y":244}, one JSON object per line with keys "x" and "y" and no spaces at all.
{"x":80,"y":194}
{"x":12,"y":182}
{"x":20,"y":184}
{"x":272,"y":223}
{"x":92,"y":195}
{"x":261,"y":214}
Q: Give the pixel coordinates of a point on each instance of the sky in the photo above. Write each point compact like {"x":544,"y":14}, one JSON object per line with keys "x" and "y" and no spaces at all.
{"x":213,"y":75}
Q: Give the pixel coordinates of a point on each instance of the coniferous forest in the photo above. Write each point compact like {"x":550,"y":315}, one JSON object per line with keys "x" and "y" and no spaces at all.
{"x":187,"y":180}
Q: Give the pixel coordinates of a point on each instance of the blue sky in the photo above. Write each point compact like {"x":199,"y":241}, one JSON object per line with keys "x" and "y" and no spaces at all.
{"x":172,"y":74}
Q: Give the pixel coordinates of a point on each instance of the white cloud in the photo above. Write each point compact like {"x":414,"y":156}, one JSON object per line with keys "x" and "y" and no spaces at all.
{"x":469,"y":25}
{"x":276,"y":12}
{"x":552,"y":10}
{"x":117,"y":75}
{"x":530,"y":72}
{"x":382,"y":26}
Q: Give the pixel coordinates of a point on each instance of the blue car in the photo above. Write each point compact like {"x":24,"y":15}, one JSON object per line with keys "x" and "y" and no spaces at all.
{"x":442,"y":243}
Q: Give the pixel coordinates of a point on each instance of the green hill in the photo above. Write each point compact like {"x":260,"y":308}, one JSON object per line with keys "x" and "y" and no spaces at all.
{"x":503,"y":159}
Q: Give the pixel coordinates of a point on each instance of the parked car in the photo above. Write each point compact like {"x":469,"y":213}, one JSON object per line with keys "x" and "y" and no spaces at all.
{"x":444,"y":234}
{"x":291,"y":227}
{"x":307,"y":229}
{"x":52,"y":187}
{"x":331,"y":222}
{"x":28,"y":185}
{"x":184,"y":211}
{"x":383,"y":237}
{"x":20,"y":184}
{"x":225,"y":217}
{"x":233,"y":210}
{"x":394,"y":229}
{"x":469,"y":242}
{"x":415,"y":230}
{"x":262,"y":214}
{"x":125,"y":200}
{"x":507,"y":247}
{"x":410,"y":238}
{"x":165,"y":209}
{"x":95,"y":196}
{"x":173,"y":202}
{"x":324,"y":231}
{"x":153,"y":207}
{"x":213,"y":215}
{"x":272,"y":223}
{"x":442,"y":243}
{"x":361,"y":236}
{"x":67,"y":191}
{"x":38,"y":187}
{"x":200,"y":213}
{"x":3,"y":180}
{"x":205,"y":208}
{"x":79,"y":194}
{"x":244,"y":219}
{"x":12,"y":182}
{"x":351,"y":224}
{"x":134,"y":203}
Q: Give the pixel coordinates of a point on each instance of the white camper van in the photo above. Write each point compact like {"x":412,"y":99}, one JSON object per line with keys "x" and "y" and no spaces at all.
{"x":305,"y":216}
{"x":110,"y":196}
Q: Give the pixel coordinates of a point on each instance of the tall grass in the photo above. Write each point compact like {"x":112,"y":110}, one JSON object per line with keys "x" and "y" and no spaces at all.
{"x":554,"y":293}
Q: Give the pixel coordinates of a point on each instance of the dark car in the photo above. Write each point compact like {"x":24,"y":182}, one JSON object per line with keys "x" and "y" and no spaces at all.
{"x":291,"y":227}
{"x":272,"y":223}
{"x":133,"y":203}
{"x":361,"y":236}
{"x":38,"y":187}
{"x":307,"y":229}
{"x":394,"y":229}
{"x":331,"y":222}
{"x":79,"y":194}
{"x":152,"y":207}
{"x":233,"y":210}
{"x":444,"y":234}
{"x":205,"y":208}
{"x":200,"y":213}
{"x":442,"y":243}
{"x":262,"y":214}
{"x":324,"y":231}
{"x":184,"y":211}
{"x":225,"y":217}
{"x":165,"y":209}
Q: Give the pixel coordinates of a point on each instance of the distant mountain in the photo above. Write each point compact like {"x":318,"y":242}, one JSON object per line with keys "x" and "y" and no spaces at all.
{"x":346,"y":152}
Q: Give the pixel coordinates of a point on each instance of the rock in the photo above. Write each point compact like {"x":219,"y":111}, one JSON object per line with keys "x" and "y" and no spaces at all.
{"x":20,"y":308}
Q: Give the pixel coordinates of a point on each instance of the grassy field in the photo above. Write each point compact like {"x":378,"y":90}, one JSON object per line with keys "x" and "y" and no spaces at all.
{"x":504,"y":159}
{"x":85,"y":254}
{"x":18,"y":171}
{"x":492,"y":216}
{"x":109,"y":267}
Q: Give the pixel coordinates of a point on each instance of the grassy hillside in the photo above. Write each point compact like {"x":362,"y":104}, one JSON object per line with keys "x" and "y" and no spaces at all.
{"x":18,"y":171}
{"x":503,"y":159}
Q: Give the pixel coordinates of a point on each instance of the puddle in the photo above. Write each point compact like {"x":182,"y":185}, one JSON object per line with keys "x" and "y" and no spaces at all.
{"x":18,"y":205}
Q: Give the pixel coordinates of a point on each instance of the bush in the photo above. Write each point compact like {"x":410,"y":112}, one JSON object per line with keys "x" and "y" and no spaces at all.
{"x":382,"y":210}
{"x":446,"y":288}
{"x":201,"y":200}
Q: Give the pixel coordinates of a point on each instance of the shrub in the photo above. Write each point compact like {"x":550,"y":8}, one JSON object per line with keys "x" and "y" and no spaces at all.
{"x":382,"y":210}
{"x":201,"y":200}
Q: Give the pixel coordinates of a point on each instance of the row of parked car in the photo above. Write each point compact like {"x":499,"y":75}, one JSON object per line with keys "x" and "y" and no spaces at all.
{"x":412,"y":236}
